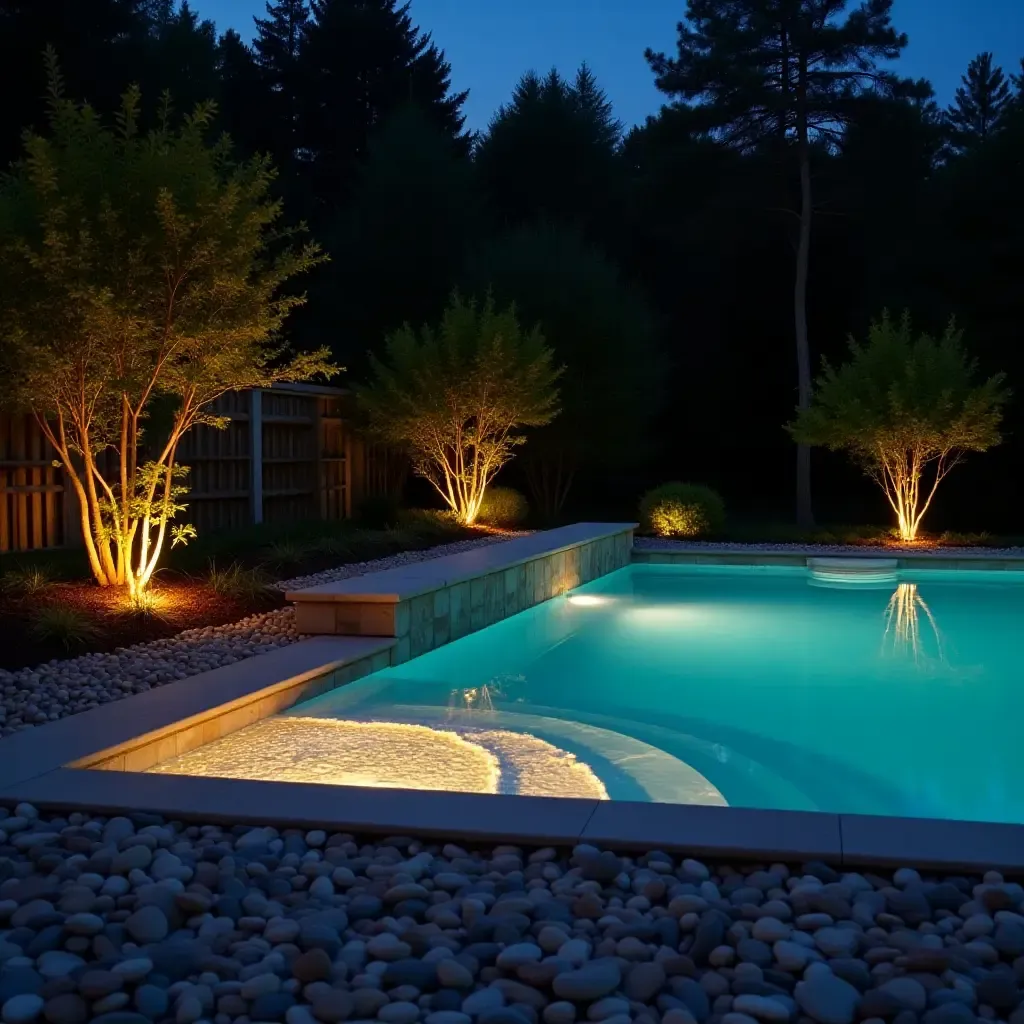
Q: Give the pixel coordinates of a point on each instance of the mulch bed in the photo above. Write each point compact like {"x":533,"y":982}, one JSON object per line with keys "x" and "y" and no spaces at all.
{"x":182,"y":604}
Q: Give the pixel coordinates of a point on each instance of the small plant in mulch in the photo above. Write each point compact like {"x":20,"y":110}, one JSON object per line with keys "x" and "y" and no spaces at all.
{"x":286,"y":552}
{"x":65,"y":627}
{"x":25,"y":581}
{"x":237,"y":582}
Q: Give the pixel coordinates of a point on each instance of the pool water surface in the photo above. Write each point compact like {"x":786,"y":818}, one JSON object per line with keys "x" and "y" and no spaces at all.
{"x":746,"y":686}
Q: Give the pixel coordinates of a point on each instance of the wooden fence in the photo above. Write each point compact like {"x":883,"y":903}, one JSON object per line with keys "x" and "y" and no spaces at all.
{"x":289,"y":454}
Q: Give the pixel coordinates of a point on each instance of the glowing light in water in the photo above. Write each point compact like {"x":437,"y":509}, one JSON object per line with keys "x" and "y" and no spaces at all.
{"x":587,"y":600}
{"x":903,"y":622}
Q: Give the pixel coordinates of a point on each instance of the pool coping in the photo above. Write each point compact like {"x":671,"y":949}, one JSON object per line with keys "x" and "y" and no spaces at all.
{"x":741,"y":554}
{"x":49,"y":766}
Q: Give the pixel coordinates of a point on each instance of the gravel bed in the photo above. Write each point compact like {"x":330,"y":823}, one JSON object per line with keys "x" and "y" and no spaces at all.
{"x":122,"y":921}
{"x":35,"y":696}
{"x":841,"y":549}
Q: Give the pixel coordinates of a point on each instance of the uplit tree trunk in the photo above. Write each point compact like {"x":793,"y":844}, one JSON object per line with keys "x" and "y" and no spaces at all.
{"x":124,"y":525}
{"x":900,"y":474}
{"x":804,"y":507}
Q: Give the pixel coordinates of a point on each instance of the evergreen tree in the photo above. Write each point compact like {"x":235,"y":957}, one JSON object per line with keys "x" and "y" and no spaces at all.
{"x":242,"y":113}
{"x":180,"y":55}
{"x":92,"y":40}
{"x":363,"y":60}
{"x":278,"y":47}
{"x":552,"y":153}
{"x":788,"y":75}
{"x":980,"y":104}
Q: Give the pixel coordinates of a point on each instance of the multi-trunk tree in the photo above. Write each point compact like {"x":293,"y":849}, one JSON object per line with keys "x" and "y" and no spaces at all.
{"x":140,"y":273}
{"x":784,"y":75}
{"x":908,"y":409}
{"x":457,"y":397}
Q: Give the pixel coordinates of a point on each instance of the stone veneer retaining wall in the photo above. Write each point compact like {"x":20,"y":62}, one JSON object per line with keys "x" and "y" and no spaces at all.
{"x":452,"y":597}
{"x":518,"y":579}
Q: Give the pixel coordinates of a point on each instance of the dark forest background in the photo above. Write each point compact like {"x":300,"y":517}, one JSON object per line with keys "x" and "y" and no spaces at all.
{"x":660,"y":261}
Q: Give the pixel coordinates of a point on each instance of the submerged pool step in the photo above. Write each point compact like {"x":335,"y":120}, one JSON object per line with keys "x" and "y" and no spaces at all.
{"x":854,"y":570}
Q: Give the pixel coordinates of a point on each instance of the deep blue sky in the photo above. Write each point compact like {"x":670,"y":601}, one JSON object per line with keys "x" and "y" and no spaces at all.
{"x":490,"y":43}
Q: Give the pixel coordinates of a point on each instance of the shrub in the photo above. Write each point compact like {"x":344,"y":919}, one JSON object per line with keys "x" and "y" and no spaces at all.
{"x":25,"y":581}
{"x":237,"y":582}
{"x":378,"y":512}
{"x":288,"y":552}
{"x":682,"y":510}
{"x":56,"y":624}
{"x":504,"y":507}
{"x":431,"y":523}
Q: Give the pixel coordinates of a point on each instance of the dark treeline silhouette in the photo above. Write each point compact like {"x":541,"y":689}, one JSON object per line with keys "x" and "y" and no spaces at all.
{"x":690,"y":272}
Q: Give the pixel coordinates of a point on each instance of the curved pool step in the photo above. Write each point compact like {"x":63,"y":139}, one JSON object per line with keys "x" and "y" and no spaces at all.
{"x":779,"y":791}
{"x":663,"y":777}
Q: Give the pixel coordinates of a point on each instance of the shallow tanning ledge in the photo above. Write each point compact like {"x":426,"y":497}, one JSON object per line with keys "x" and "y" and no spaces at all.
{"x":429,"y":604}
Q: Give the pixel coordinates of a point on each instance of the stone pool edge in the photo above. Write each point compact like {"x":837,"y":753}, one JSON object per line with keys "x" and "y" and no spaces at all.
{"x":95,"y":761}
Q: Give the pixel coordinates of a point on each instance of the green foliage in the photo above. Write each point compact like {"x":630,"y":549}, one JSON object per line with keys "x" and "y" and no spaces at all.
{"x":682,"y":510}
{"x":288,"y":552}
{"x":237,"y":581}
{"x":504,"y":507}
{"x":57,"y":624}
{"x":456,"y":396}
{"x":142,"y":273}
{"x":903,"y":404}
{"x":432,"y":524}
{"x":26,"y":580}
{"x":904,"y":393}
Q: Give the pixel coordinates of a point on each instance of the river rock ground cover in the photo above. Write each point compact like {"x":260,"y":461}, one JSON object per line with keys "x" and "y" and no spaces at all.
{"x":65,"y":686}
{"x":122,"y":921}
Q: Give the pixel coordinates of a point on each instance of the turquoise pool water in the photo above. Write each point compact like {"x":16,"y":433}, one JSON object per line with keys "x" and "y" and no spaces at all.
{"x":905,"y":699}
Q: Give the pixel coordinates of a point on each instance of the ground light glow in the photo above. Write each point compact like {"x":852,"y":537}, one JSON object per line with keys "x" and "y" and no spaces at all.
{"x":391,"y":755}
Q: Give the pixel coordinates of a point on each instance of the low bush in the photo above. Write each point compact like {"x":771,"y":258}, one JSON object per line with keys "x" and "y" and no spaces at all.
{"x":25,"y":580}
{"x":503,"y":507}
{"x":56,"y":624}
{"x":431,"y":523}
{"x":238,"y":582}
{"x":682,"y":510}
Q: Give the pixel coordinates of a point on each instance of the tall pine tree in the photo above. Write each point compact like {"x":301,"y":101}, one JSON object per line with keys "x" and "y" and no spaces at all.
{"x":980,"y":104}
{"x":785,"y":74}
{"x":278,"y":46}
{"x":363,"y":60}
{"x":552,"y":154}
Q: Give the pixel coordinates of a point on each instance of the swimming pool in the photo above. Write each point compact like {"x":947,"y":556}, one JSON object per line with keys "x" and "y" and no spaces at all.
{"x":746,"y":686}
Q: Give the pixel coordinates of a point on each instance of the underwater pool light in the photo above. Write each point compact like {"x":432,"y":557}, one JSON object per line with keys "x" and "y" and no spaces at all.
{"x":586,"y":600}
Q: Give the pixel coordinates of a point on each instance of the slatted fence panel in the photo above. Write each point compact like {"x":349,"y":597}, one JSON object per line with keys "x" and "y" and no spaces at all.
{"x":220,"y":469}
{"x":31,"y":488}
{"x":290,"y":457}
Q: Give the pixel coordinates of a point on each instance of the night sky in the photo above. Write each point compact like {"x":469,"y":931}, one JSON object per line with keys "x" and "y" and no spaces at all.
{"x":490,"y":43}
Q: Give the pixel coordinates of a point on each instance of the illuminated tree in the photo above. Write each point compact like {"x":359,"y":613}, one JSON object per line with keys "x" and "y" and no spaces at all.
{"x":908,"y":409}
{"x":454,"y":397}
{"x":786,"y":77}
{"x":140,"y":276}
